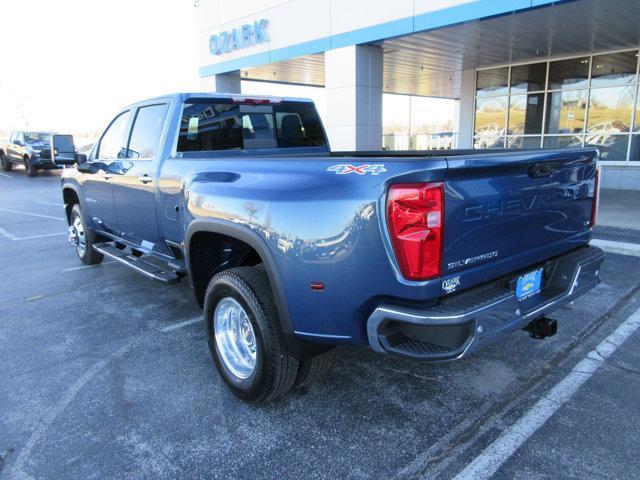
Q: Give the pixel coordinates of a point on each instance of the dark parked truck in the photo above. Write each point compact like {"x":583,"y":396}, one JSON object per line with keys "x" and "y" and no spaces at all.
{"x":31,"y":149}
{"x":292,"y":249}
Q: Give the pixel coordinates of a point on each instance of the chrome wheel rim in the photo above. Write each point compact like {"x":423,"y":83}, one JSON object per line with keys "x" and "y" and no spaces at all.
{"x":235,"y":338}
{"x":77,"y":237}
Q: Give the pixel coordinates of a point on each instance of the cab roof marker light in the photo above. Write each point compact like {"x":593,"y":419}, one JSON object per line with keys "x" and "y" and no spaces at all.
{"x":257,"y":100}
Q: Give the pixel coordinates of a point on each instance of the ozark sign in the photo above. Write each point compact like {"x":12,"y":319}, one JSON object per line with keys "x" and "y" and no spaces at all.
{"x":238,"y":38}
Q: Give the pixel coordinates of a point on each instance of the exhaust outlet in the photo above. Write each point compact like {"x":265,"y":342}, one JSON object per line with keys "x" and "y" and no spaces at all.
{"x":542,"y":328}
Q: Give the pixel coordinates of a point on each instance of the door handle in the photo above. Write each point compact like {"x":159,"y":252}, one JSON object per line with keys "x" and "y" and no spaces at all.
{"x":145,"y":178}
{"x":107,"y":176}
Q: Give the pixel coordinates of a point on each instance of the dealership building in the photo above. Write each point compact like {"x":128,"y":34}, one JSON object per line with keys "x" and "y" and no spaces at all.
{"x":524,"y":73}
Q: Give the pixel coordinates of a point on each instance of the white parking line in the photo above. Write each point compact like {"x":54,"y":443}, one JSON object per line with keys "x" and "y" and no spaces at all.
{"x":32,"y":214}
{"x":11,"y":236}
{"x":621,"y":248}
{"x":177,"y":326}
{"x":5,"y":175}
{"x":496,"y":454}
{"x":8,"y":235}
{"x":31,"y":237}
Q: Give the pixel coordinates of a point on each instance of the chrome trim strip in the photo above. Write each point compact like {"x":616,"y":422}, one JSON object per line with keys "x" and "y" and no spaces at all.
{"x":321,"y":335}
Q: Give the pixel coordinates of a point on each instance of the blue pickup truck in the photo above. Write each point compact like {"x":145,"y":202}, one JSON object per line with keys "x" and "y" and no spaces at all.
{"x":293,"y":249}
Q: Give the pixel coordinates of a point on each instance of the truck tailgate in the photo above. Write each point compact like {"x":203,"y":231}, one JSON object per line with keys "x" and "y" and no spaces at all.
{"x":502,"y":205}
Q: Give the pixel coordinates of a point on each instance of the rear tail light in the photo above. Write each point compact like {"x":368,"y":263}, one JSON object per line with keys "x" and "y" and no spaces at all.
{"x":596,"y":198}
{"x":415,"y":214}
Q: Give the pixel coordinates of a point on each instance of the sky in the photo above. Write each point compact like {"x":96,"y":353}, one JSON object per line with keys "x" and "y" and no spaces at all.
{"x":70,"y":65}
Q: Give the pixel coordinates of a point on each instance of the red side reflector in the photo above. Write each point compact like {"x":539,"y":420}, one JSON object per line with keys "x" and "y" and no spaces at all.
{"x":415,"y":216}
{"x":596,"y":198}
{"x":317,"y":286}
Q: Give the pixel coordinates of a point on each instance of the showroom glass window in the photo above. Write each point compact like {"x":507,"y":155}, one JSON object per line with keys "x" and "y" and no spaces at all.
{"x":634,"y":147}
{"x":588,"y":100}
{"x":147,"y":128}
{"x":611,"y":104}
{"x":566,"y":112}
{"x":492,"y":102}
{"x":569,"y":74}
{"x":526,"y":104}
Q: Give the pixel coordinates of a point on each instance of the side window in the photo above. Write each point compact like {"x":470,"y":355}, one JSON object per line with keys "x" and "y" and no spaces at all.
{"x":146,"y":131}
{"x":112,"y":143}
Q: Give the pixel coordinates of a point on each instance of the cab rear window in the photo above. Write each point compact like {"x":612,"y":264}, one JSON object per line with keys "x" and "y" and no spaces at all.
{"x":226,"y":125}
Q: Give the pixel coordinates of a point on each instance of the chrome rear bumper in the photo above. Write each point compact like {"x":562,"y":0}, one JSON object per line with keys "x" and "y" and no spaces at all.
{"x":468,"y":321}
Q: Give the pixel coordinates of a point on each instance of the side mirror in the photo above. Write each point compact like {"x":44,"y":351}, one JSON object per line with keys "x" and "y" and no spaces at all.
{"x":63,"y":151}
{"x":88,"y":167}
{"x":18,"y":142}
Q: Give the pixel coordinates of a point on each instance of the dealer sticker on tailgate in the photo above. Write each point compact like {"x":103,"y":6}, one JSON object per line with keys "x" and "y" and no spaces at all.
{"x":529,"y":284}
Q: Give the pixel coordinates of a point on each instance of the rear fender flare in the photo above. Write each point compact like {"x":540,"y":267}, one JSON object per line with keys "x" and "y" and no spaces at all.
{"x":251,"y":238}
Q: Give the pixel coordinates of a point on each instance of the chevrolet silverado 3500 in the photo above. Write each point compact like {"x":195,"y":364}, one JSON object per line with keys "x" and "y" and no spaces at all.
{"x":292,"y":249}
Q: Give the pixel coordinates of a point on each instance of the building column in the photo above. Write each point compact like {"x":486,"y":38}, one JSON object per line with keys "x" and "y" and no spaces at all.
{"x":353,"y":85}
{"x":467,"y":109}
{"x":222,"y":83}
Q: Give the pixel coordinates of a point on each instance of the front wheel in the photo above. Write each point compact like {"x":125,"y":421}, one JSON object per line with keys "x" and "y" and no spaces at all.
{"x":244,"y":335}
{"x":31,"y":170}
{"x":83,"y":238}
{"x":5,"y":163}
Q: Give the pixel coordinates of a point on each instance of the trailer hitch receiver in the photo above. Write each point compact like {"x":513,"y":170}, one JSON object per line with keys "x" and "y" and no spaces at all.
{"x":542,"y":328}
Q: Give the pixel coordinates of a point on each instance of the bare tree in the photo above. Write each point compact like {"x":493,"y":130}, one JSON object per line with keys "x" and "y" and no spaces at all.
{"x":251,"y":209}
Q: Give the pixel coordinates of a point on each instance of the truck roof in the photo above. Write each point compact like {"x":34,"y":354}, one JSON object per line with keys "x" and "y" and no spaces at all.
{"x":182,"y":96}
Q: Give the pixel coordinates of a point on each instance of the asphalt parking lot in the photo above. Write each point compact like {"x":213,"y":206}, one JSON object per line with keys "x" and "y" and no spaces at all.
{"x":106,"y":374}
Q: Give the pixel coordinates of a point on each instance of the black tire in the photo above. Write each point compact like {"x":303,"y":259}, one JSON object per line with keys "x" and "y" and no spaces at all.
{"x":313,"y":369}
{"x":31,"y":170}
{"x":275,"y":370}
{"x":7,"y":166}
{"x":88,"y":255}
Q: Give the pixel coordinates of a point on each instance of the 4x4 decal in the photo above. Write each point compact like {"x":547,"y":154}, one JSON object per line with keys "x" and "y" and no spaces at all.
{"x":344,"y":169}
